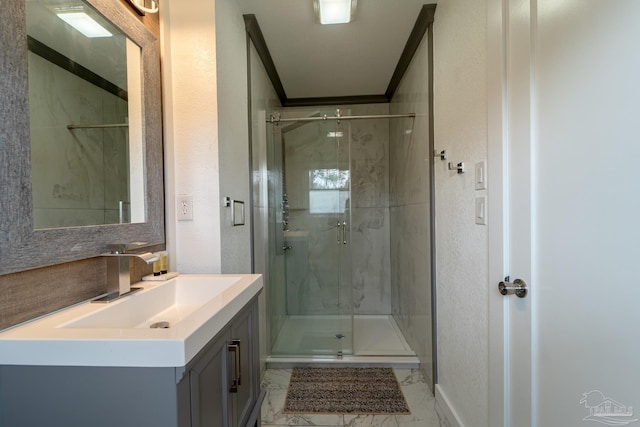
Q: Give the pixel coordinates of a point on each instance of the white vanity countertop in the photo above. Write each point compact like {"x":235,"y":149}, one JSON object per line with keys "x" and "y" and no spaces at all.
{"x":94,"y":334}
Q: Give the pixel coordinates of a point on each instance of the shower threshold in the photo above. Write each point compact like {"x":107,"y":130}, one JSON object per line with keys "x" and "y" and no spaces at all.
{"x":377,"y":342}
{"x":403,"y":362}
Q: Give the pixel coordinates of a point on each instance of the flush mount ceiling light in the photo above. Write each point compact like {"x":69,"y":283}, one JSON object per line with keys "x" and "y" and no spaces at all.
{"x":82,"y":22}
{"x":334,"y":11}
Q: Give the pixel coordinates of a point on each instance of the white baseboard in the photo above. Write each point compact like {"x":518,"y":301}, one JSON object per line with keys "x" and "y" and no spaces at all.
{"x":443,"y":406}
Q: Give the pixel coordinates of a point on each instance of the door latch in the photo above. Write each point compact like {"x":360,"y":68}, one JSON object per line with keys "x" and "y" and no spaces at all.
{"x":518,"y":287}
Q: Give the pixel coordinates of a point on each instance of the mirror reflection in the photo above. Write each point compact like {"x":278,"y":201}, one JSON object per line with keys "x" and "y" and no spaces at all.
{"x":85,"y":118}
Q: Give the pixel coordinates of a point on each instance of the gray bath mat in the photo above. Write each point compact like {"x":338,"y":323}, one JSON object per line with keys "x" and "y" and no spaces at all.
{"x":344,"y":391}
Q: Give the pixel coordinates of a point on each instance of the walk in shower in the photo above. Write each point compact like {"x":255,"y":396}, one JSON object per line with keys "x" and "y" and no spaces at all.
{"x":325,"y":187}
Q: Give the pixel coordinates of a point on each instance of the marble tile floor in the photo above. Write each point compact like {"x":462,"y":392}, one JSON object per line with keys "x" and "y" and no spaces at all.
{"x":414,"y":387}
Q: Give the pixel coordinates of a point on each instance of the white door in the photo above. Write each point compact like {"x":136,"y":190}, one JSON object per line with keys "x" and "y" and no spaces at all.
{"x":564,"y":211}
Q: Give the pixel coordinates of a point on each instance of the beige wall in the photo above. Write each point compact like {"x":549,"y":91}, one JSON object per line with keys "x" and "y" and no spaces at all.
{"x":206,"y":137}
{"x":191,"y":133}
{"x":233,"y":134}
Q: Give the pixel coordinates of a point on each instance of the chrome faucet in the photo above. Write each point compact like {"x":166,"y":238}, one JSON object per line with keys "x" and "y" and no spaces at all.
{"x":118,"y":272}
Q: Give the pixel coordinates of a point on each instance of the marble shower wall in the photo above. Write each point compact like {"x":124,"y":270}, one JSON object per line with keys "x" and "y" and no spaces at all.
{"x":307,"y":147}
{"x":370,"y":226}
{"x":78,"y":176}
{"x":276,"y":259}
{"x":271,"y":303}
{"x":410,"y":165}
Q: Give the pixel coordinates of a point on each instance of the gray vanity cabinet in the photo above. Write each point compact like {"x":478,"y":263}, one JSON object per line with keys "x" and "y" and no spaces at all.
{"x":207,"y":390}
{"x":223,"y":379}
{"x":246,"y":358}
{"x":196,"y":395}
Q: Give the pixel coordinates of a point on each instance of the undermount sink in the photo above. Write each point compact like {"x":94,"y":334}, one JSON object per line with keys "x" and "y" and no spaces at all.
{"x":172,"y":302}
{"x":196,"y":307}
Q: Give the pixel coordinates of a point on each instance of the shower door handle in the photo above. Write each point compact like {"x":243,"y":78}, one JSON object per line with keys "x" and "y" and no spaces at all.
{"x":344,"y":232}
{"x":338,"y":225}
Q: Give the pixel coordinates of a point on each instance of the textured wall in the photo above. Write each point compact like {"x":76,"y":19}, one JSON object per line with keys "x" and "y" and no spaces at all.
{"x":461,"y":128}
{"x":191,"y":133}
{"x":233,"y":136}
{"x":207,"y":138}
{"x":410,"y":163}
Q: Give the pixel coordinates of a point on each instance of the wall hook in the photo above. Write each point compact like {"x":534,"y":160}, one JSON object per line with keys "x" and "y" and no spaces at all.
{"x":442,"y":154}
{"x":459,"y":167}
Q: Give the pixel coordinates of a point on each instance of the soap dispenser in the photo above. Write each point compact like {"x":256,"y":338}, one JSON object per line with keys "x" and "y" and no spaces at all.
{"x":164,"y":262}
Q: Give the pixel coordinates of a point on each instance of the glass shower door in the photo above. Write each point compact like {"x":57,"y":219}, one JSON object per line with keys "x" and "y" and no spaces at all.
{"x":344,"y":248}
{"x":316,"y":189}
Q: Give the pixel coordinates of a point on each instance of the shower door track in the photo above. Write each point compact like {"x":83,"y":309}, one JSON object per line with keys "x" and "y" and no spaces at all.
{"x":275,"y":118}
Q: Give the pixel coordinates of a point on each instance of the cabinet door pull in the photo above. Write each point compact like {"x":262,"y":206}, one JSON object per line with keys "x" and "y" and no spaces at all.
{"x":238,"y":363}
{"x":234,"y":348}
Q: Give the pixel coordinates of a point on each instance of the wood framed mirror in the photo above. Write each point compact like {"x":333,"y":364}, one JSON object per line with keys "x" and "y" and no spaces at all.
{"x":23,"y":244}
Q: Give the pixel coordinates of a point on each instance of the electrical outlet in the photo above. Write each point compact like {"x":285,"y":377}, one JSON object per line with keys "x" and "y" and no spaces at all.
{"x":184,"y":206}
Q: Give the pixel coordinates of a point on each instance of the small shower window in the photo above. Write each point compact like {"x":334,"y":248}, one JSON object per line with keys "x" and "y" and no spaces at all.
{"x":328,"y":190}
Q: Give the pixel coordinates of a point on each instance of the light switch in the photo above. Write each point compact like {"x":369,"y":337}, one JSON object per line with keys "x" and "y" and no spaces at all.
{"x":481,"y":175}
{"x":481,"y":210}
